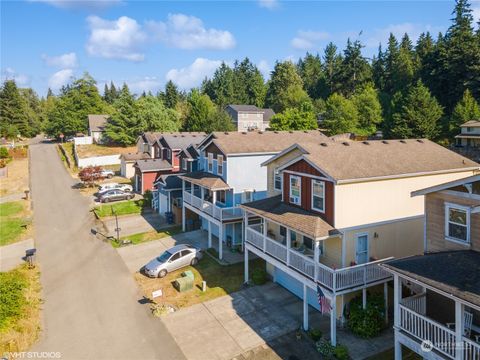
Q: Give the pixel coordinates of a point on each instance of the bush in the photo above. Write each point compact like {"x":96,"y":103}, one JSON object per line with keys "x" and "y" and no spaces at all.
{"x":148,"y":198}
{"x":341,"y":352}
{"x":315,"y":334}
{"x":259,"y":276}
{"x":325,"y":348}
{"x":367,"y":322}
{"x":12,"y":298}
{"x":4,"y":153}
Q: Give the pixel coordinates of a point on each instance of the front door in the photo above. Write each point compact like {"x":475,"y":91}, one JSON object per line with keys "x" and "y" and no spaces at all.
{"x":361,"y":247}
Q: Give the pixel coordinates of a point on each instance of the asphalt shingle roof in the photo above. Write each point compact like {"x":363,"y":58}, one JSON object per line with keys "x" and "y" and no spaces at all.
{"x":97,"y":122}
{"x":152,"y":165}
{"x":206,"y":180}
{"x":182,"y":140}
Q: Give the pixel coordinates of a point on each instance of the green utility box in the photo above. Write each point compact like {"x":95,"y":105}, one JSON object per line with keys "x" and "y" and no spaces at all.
{"x":183,"y":284}
{"x":189,"y":274}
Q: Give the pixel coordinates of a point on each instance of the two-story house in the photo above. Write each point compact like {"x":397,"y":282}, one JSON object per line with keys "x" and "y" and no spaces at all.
{"x":96,"y":127}
{"x":469,"y":134}
{"x":437,"y":295}
{"x":249,"y":117}
{"x":230,"y":173}
{"x":147,"y":143}
{"x":337,"y":209}
{"x":170,"y":146}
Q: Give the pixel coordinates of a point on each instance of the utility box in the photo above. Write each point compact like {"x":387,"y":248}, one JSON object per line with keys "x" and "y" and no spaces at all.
{"x":183,"y":284}
{"x":189,"y":274}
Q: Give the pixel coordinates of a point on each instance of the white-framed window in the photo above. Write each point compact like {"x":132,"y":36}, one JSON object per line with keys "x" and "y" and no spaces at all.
{"x":361,"y":248}
{"x":210,"y":162}
{"x":222,"y":196}
{"x":295,"y":189}
{"x":318,"y":195}
{"x":169,"y":154}
{"x":220,"y":164}
{"x":277,"y":180}
{"x":184,"y":164}
{"x":457,"y":223}
{"x":469,"y":129}
{"x":247,"y":196}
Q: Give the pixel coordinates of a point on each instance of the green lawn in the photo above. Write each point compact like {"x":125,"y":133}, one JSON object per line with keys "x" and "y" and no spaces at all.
{"x":149,"y":236}
{"x":121,"y":208}
{"x":11,"y":208}
{"x":12,"y":222}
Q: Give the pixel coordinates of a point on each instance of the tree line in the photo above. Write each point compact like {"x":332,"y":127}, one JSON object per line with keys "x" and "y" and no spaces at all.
{"x":427,"y":89}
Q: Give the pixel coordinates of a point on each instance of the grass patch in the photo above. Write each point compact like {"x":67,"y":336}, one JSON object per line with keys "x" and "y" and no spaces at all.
{"x":149,"y":236}
{"x":11,"y":208}
{"x":84,"y":151}
{"x":19,"y":309}
{"x":221,"y":280}
{"x":122,"y":208}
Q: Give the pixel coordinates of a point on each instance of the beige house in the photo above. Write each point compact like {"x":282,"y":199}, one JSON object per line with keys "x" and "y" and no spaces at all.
{"x":338,"y":209}
{"x":437,"y":295}
{"x":249,"y":117}
{"x":469,"y":134}
{"x":127,"y":161}
{"x":96,"y":127}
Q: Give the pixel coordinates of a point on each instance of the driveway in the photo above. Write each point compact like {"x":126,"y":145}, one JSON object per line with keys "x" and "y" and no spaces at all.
{"x":12,"y":255}
{"x":134,"y":224}
{"x":91,"y":308}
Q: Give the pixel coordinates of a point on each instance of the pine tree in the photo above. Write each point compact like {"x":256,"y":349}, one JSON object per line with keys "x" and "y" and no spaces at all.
{"x":311,"y":71}
{"x":355,"y":71}
{"x":171,"y":96}
{"x":369,"y":110}
{"x":13,"y":110}
{"x":391,"y":60}
{"x":331,"y":64}
{"x":249,"y":83}
{"x":378,"y":69}
{"x":466,"y":109}
{"x":221,"y":88}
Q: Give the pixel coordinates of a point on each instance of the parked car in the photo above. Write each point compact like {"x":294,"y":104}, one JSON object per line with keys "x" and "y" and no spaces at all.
{"x":115,"y":195}
{"x":107,"y":173}
{"x":172,"y":259}
{"x":112,"y":186}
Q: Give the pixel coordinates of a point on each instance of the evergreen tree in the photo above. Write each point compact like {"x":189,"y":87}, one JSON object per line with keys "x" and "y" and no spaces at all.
{"x":106,"y":94}
{"x":172,"y":95}
{"x":369,"y":110}
{"x":32,"y":111}
{"x":219,"y":120}
{"x":466,"y":109}
{"x":341,"y":115}
{"x":311,"y":71}
{"x":13,"y":116}
{"x":391,"y":61}
{"x":378,"y":69}
{"x":200,"y":107}
{"x":249,"y":84}
{"x":294,"y":119}
{"x":155,"y":116}
{"x":355,"y":71}
{"x":331,"y":64}
{"x":285,"y":88}
{"x":221,"y":88}
{"x":50,"y":93}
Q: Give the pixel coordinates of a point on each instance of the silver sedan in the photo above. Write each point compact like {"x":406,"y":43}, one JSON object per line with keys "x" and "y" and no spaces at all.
{"x":174,"y":258}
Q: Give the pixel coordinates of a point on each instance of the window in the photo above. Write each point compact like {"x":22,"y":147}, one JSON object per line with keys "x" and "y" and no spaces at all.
{"x":184,"y":164}
{"x":361,"y":249}
{"x":277,"y":180}
{"x":295,"y":189}
{"x":220,"y":164}
{"x":469,"y":129}
{"x":248,"y":196}
{"x":308,"y":242}
{"x":221,"y":195}
{"x":169,"y":154}
{"x":146,"y":148}
{"x":457,"y":223}
{"x":185,"y":253}
{"x":318,"y":195}
{"x":283,"y":231}
{"x":175,"y":257}
{"x":210,"y":162}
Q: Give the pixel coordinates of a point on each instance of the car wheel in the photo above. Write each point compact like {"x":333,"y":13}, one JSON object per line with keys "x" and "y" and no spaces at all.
{"x":109,"y":176}
{"x":130,"y":197}
{"x":194,"y":261}
{"x":107,"y":200}
{"x":162,"y":273}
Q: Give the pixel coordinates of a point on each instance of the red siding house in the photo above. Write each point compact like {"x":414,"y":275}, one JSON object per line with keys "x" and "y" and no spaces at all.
{"x":146,"y":171}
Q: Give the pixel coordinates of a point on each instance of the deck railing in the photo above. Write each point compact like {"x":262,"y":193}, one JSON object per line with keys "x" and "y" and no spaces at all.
{"x":417,"y":303}
{"x":214,"y":211}
{"x":471,"y":349}
{"x":333,"y":279}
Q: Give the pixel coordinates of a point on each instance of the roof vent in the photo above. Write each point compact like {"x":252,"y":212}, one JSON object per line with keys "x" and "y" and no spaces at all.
{"x":385,"y":142}
{"x":365,"y":143}
{"x":403,"y":141}
{"x":346,"y":143}
{"x":420,"y":141}
{"x":323,"y":144}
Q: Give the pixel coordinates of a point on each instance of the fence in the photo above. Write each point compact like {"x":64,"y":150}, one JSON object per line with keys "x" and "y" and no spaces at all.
{"x":84,"y":140}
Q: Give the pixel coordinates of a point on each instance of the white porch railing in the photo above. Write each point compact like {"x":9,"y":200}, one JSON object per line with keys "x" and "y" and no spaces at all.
{"x":423,"y":328}
{"x":211,"y":209}
{"x":339,"y":279}
{"x":471,"y":349}
{"x":417,"y":303}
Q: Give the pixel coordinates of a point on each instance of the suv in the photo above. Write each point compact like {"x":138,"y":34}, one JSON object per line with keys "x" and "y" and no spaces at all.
{"x":113,"y":186}
{"x":174,"y":258}
{"x":107,"y":173}
{"x":115,"y":195}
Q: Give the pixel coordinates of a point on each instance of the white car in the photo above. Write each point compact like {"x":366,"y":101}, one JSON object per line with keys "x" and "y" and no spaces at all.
{"x":114,"y":186}
{"x":107,"y":173}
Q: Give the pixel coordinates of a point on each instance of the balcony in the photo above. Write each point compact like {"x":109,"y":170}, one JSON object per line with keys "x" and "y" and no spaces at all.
{"x":335,"y":280}
{"x":217,"y":212}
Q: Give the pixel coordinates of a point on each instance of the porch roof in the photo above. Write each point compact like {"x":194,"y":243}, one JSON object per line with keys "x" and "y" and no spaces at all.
{"x":206,"y":180}
{"x":292,"y":217}
{"x":453,"y":272}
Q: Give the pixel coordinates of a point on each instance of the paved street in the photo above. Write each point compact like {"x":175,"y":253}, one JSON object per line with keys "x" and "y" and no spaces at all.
{"x":91,"y":308}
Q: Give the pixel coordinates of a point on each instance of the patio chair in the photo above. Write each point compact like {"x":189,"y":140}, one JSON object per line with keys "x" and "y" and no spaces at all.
{"x":467,"y":324}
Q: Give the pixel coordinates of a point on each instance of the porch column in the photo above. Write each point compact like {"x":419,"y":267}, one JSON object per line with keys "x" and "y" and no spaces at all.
{"x":333,"y":321}
{"x":458,"y":330}
{"x":264,"y":234}
{"x":364,"y":298}
{"x":202,"y":193}
{"x":289,"y":246}
{"x":397,"y":297}
{"x":315,"y":258}
{"x":385,"y":298}
{"x":244,"y":228}
{"x":209,"y":234}
{"x":220,"y":241}
{"x":305,"y":308}
{"x":245,"y":256}
{"x":183,"y":208}
{"x":214,"y":197}
{"x":234,"y":236}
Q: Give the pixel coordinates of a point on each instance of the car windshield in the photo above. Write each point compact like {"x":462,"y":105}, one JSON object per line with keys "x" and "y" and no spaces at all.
{"x":164,"y":257}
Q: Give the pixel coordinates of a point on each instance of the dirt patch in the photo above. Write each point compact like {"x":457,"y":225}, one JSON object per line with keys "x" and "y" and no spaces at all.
{"x":16,"y":180}
{"x":84,"y":151}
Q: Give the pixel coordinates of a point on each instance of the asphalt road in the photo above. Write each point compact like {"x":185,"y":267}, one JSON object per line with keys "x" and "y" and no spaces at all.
{"x":91,"y":308}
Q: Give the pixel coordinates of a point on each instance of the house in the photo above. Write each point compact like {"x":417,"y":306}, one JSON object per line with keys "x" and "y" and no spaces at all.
{"x":147,"y":143}
{"x":337,"y":209}
{"x":249,"y":117}
{"x":96,"y":126}
{"x":146,"y":171}
{"x":437,"y":295}
{"x":229,"y":173}
{"x":127,"y":161}
{"x":170,"y":145}
{"x":469,"y":134}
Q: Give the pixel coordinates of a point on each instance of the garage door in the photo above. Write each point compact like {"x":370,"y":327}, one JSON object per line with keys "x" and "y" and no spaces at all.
{"x":296,"y":287}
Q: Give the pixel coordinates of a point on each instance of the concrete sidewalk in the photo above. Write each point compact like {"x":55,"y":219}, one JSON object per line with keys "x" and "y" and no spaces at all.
{"x":12,"y":255}
{"x":134,"y":224}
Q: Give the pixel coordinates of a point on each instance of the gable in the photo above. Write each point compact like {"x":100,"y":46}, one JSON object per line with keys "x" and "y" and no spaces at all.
{"x":301,"y":166}
{"x":215,"y":150}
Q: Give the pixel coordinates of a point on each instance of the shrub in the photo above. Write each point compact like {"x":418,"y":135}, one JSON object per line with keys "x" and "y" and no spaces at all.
{"x":341,"y":352}
{"x":148,"y":198}
{"x":12,"y":298}
{"x":259,"y":276}
{"x":367,"y":322}
{"x":325,"y":348}
{"x":4,"y":153}
{"x":315,"y":334}
{"x":90,"y":174}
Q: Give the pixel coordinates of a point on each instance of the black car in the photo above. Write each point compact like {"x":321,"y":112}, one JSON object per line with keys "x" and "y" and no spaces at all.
{"x":115,"y":195}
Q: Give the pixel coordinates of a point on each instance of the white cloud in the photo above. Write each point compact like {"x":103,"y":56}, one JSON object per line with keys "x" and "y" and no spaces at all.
{"x":87,"y":5}
{"x":11,"y":74}
{"x":64,"y":61}
{"x":188,"y":32}
{"x":193,"y":74}
{"x":117,"y":39}
{"x":146,"y":84}
{"x":268,"y":4}
{"x":306,"y":40}
{"x":476,"y":11}
{"x":264,"y":68}
{"x":60,"y":78}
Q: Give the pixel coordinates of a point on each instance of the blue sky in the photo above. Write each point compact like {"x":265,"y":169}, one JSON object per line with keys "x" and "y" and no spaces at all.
{"x":144,"y":43}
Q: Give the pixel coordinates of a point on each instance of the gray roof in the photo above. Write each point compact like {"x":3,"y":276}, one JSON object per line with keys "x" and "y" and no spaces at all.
{"x":183,"y":139}
{"x":453,"y":272}
{"x":245,"y":108}
{"x":206,"y":180}
{"x":152,"y":165}
{"x":190,"y":152}
{"x":267,"y":114}
{"x":97,"y":122}
{"x":169,"y":181}
{"x":135,"y":156}
{"x":151,"y":137}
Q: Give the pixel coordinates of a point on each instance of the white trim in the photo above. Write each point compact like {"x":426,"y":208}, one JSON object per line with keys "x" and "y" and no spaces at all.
{"x":252,"y":154}
{"x":386,"y":222}
{"x":315,"y":166}
{"x":449,"y":206}
{"x":460,"y":194}
{"x":313,"y":195}
{"x":358,"y":235}
{"x":220,"y":166}
{"x":299,"y":179}
{"x":275,"y":174}
{"x":306,"y":175}
{"x":446,"y":185}
{"x":283,"y":152}
{"x":209,"y":158}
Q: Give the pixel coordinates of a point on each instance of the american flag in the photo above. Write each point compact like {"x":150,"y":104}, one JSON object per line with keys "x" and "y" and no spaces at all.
{"x":323,"y":301}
